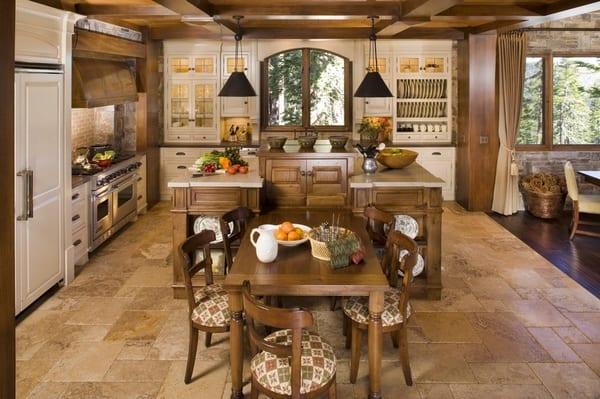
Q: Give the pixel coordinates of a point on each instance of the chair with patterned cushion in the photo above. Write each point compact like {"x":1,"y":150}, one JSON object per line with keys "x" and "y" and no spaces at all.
{"x":208,"y":305}
{"x":582,"y":203}
{"x":291,"y":362}
{"x":396,"y":309}
{"x":238,"y":218}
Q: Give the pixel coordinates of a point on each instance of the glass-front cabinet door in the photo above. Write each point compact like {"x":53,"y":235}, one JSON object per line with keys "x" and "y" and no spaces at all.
{"x":228,"y":65}
{"x":196,"y":66}
{"x":410,"y":64}
{"x":205,"y":65}
{"x":179,"y":66}
{"x":434,"y":64}
{"x":179,"y":105}
{"x":205,"y":104}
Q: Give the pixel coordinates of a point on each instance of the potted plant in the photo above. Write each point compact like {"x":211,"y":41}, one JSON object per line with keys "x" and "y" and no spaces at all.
{"x":373,"y":129}
{"x":543,"y":194}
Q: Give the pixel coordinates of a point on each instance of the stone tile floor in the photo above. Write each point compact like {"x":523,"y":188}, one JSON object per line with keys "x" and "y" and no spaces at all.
{"x":509,"y":325}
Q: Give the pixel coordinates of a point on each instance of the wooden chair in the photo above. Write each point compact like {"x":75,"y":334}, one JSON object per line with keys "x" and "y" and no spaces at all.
{"x":396,"y":310}
{"x":582,"y":203}
{"x":209,"y":305}
{"x":231,"y":237}
{"x":292,"y":362}
{"x":378,"y":223}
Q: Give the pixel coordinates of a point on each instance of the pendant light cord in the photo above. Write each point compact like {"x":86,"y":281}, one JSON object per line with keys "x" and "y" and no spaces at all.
{"x":238,"y":43}
{"x":373,"y":42}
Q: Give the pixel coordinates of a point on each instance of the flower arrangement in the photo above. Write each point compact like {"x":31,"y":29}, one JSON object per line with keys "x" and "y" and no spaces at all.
{"x":375,"y":129}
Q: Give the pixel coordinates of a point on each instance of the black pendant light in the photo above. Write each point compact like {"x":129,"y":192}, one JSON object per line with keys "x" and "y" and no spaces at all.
{"x":237,"y":85}
{"x":372,"y":84}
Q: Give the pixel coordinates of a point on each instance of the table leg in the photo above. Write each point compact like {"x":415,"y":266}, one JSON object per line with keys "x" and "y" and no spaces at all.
{"x":375,"y":344}
{"x":236,"y":339}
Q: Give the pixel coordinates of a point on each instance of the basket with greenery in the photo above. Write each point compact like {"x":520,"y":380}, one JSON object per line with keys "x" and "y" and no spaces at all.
{"x":543,"y":194}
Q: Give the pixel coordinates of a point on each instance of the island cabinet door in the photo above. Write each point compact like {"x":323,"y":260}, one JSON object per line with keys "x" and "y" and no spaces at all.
{"x":326,"y":182}
{"x":286,"y":182}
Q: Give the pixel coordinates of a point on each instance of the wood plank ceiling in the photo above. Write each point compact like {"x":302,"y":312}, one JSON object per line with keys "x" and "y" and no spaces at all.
{"x":323,"y":19}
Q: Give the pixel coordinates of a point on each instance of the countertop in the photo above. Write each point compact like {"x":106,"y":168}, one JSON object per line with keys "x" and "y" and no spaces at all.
{"x":77,"y":181}
{"x":221,"y":144}
{"x":250,"y":180}
{"x":413,"y":175}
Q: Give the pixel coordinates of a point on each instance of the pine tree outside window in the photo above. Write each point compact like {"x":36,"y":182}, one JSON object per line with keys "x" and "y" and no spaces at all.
{"x":561,"y":103}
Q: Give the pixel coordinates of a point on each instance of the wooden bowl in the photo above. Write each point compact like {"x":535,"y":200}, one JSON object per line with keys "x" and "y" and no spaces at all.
{"x":338,"y":141}
{"x":307,"y":141}
{"x":396,"y":158}
{"x":277,"y":142}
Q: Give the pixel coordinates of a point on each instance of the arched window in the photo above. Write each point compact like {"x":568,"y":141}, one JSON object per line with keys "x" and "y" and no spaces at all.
{"x":306,"y":88}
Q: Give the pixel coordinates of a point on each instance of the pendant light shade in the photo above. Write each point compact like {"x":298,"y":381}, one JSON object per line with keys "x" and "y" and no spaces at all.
{"x":237,"y":84}
{"x":373,"y":84}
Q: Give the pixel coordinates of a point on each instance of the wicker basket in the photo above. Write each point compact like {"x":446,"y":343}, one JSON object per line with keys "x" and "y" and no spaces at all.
{"x":319,"y":249}
{"x":544,"y":205}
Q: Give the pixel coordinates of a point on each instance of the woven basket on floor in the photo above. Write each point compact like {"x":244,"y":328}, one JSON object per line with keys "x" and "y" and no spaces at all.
{"x":544,"y":205}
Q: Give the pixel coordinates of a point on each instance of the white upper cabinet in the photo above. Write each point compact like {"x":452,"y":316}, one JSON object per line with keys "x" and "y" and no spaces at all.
{"x":199,"y":66}
{"x":228,"y":64}
{"x":422,"y":64}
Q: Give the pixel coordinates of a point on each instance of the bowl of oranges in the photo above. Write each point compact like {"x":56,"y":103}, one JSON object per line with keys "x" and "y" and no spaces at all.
{"x":290,"y":234}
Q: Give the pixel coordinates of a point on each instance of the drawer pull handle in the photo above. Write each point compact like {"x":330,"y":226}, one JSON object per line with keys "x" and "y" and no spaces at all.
{"x":76,"y":217}
{"x":180,"y":153}
{"x":77,"y":243}
{"x":181,"y":167}
{"x":140,"y":197}
{"x":140,"y":178}
{"x":436,"y":152}
{"x":75,"y":196}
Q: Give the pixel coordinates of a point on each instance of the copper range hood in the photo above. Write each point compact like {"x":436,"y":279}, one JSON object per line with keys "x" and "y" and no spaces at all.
{"x":100,"y":82}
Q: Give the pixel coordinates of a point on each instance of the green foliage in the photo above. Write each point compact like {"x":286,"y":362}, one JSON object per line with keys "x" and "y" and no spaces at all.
{"x":576,"y":101}
{"x":326,"y":88}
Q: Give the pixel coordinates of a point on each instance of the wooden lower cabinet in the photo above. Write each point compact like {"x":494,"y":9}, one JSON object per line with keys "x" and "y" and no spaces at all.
{"x":424,"y":204}
{"x":301,"y":182}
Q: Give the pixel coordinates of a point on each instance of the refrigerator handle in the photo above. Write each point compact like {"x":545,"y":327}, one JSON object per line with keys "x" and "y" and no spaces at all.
{"x":27,"y":195}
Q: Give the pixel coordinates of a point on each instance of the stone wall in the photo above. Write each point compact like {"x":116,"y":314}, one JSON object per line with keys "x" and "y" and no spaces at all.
{"x":553,"y":161}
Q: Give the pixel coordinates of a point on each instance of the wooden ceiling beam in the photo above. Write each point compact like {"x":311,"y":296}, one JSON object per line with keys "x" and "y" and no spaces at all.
{"x":339,"y":9}
{"x":182,"y":31}
{"x":123,"y":11}
{"x":493,"y":26}
{"x":462,"y":12}
{"x":426,"y":8}
{"x":428,"y":33}
{"x":204,"y":6}
{"x":182,"y":7}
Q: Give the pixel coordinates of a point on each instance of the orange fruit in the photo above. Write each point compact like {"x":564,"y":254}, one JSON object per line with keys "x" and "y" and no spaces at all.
{"x":286,"y":227}
{"x":281,"y":236}
{"x":293,"y":236}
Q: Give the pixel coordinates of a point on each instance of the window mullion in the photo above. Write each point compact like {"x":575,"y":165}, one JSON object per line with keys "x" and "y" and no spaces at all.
{"x":548,"y":92}
{"x":305,"y":87}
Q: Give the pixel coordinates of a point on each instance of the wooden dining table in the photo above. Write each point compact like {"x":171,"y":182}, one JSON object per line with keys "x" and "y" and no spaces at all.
{"x":591,"y":176}
{"x":295,"y":272}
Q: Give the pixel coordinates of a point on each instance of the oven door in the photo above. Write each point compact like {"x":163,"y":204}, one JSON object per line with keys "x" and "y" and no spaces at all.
{"x":124,"y":198}
{"x":102,"y":213}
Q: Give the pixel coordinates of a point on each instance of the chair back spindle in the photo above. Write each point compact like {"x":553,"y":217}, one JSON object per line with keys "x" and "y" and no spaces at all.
{"x":190,"y":266}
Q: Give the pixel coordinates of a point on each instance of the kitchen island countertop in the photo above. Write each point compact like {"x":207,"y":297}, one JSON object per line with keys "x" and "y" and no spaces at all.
{"x":413,"y":175}
{"x":250,"y":180}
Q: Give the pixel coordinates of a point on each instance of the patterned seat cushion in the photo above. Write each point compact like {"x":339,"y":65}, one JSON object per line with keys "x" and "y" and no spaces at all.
{"x":212,"y":308}
{"x":357,"y":308}
{"x":317,"y":364}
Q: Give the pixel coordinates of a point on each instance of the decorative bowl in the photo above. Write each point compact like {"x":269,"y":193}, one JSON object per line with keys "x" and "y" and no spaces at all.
{"x":338,"y":141}
{"x":273,"y":229}
{"x":396,"y":158}
{"x":307,"y":141}
{"x":277,"y":142}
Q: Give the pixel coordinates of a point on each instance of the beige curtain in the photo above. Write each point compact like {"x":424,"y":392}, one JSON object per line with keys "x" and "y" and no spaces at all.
{"x":512,"y":49}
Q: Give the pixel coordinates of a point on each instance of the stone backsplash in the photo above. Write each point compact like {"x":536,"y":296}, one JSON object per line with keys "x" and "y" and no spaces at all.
{"x":554,"y":161}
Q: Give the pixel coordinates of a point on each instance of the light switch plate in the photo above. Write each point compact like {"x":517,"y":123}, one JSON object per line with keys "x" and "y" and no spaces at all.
{"x":483,"y":139}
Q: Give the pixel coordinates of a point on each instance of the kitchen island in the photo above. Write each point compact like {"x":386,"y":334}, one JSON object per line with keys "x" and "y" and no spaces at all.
{"x":412,"y":191}
{"x":209,"y":196}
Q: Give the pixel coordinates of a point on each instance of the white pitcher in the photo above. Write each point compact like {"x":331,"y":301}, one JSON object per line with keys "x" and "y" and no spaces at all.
{"x":266,"y":245}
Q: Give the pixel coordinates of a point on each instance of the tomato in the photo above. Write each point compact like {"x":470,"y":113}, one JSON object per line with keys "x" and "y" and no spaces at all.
{"x":231,"y":170}
{"x":243,"y":170}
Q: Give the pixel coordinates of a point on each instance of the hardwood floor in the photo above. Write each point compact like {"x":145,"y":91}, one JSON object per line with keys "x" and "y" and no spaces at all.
{"x":579,"y":258}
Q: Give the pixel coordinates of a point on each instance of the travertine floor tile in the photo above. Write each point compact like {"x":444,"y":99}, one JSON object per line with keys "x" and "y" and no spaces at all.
{"x":504,"y":373}
{"x":435,"y":391}
{"x":537,"y":313}
{"x":464,"y":391}
{"x":572,"y":300}
{"x":149,"y":276}
{"x":571,"y":335}
{"x":589,"y":353}
{"x":84,"y":362}
{"x":137,"y":371}
{"x":135,"y":349}
{"x":143,"y":325}
{"x":507,"y":339}
{"x":568,"y":380}
{"x":112,"y":390}
{"x":101,"y":311}
{"x":492,"y":288}
{"x":587,"y":323}
{"x":48,"y":390}
{"x":208,"y":381}
{"x":439,"y":363}
{"x":446,"y":327}
{"x":555,"y":346}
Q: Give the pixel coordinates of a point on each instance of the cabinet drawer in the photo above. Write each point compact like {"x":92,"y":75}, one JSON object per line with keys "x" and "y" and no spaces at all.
{"x":212,"y":199}
{"x":398,"y":198}
{"x":79,"y":193}
{"x":80,"y":242}
{"x":79,"y":215}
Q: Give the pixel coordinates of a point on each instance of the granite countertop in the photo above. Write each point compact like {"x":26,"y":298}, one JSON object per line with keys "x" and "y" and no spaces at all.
{"x":250,"y":180}
{"x":77,"y":181}
{"x":221,"y":144}
{"x":413,"y":175}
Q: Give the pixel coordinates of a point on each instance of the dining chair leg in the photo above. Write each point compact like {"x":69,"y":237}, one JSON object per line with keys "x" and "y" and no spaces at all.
{"x":345,"y":325}
{"x":394,"y":336}
{"x":253,"y":390}
{"x":191,"y":359}
{"x":348,"y":328}
{"x":355,"y":352}
{"x":207,"y":339}
{"x":332,"y":303}
{"x":404,"y":359}
{"x":575,"y":220}
{"x":332,"y":390}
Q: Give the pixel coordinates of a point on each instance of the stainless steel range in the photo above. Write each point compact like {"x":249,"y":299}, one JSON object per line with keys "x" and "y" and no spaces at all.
{"x":113,"y":200}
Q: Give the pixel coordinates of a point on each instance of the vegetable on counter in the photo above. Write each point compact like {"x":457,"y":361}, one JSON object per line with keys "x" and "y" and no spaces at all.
{"x":228,"y":160}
